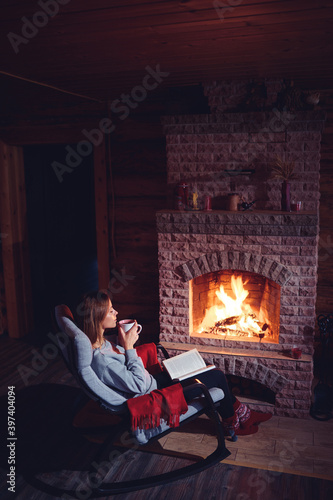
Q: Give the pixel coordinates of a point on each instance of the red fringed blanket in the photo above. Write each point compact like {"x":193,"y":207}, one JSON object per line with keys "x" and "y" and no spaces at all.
{"x":147,"y":410}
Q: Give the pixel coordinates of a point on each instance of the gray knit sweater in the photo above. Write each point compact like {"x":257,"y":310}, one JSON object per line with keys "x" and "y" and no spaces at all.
{"x":123,"y":371}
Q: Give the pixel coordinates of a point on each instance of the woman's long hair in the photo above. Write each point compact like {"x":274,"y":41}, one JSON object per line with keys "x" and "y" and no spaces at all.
{"x":91,"y":312}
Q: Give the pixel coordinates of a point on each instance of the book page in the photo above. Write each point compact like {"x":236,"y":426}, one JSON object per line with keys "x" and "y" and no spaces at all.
{"x":184,"y":363}
{"x":195,"y":373}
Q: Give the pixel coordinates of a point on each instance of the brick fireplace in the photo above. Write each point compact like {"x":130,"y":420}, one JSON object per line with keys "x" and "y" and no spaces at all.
{"x":273,"y":252}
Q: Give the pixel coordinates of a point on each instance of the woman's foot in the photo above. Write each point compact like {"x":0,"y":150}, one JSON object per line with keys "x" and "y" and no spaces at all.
{"x":249,"y":418}
{"x":230,"y":426}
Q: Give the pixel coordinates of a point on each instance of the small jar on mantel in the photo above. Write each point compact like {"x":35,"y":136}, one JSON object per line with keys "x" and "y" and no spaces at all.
{"x":233,"y":202}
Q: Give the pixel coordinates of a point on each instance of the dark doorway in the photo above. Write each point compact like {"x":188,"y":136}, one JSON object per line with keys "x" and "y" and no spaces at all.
{"x":61,"y":225}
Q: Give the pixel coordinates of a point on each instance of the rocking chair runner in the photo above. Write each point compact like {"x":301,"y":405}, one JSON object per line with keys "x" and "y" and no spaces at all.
{"x":77,"y":352}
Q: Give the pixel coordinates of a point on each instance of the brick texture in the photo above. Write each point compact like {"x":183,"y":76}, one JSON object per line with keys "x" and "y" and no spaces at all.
{"x":207,"y":150}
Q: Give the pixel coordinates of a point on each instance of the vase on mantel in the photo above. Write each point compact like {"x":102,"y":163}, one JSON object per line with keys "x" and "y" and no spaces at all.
{"x":285,"y":196}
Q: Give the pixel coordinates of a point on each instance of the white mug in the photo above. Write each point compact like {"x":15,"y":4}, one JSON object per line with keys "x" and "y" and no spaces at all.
{"x":127,"y":324}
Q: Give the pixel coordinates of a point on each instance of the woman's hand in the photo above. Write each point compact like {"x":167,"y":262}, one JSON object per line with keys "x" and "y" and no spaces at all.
{"x":128,"y":339}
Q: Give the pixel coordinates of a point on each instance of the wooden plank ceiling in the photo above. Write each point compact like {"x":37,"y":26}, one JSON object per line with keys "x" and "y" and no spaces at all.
{"x":101,"y":48}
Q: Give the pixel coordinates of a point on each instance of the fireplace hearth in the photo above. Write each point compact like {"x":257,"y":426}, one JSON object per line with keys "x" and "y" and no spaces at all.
{"x":261,"y":262}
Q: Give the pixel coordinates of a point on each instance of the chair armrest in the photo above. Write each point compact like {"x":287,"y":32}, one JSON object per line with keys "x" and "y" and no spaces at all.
{"x":197,"y":384}
{"x":161,"y":348}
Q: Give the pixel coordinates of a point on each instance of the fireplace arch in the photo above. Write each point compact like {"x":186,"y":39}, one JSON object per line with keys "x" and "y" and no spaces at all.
{"x":244,"y":261}
{"x":252,"y":369}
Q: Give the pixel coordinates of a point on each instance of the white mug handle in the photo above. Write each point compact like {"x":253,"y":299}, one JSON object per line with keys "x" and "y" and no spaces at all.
{"x":139,"y":329}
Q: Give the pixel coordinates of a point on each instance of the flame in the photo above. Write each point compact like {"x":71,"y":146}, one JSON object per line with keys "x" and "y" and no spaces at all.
{"x":233,"y":307}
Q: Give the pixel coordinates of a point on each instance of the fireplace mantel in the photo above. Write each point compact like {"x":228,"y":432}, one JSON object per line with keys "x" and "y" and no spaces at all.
{"x":250,"y":353}
{"x":255,"y":222}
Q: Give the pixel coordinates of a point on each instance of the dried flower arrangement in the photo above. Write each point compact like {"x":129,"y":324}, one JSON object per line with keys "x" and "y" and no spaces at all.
{"x":283,"y":170}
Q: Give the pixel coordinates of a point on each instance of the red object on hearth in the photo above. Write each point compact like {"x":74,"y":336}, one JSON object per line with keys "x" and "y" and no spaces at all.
{"x":296,"y":352}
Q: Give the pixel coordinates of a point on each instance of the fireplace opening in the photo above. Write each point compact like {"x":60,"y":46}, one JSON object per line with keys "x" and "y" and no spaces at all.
{"x":250,"y":389}
{"x":235,"y":305}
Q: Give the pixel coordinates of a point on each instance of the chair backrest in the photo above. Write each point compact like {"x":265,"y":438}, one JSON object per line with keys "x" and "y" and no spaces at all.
{"x":78,"y":354}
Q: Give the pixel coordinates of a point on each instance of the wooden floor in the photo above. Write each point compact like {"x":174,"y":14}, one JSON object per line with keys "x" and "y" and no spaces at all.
{"x":287,"y":459}
{"x":287,"y":445}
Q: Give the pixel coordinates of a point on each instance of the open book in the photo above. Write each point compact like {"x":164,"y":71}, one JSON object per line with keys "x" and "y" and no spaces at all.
{"x":186,"y":365}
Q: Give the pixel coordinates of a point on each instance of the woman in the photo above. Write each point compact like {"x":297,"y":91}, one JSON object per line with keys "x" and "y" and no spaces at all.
{"x":120,"y":367}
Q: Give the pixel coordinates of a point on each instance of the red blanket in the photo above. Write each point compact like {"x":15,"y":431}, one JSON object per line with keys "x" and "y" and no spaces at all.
{"x":147,"y":410}
{"x":148,"y":354}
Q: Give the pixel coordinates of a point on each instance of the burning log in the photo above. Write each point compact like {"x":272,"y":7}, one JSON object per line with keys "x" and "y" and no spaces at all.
{"x":228,"y":321}
{"x":224,"y":327}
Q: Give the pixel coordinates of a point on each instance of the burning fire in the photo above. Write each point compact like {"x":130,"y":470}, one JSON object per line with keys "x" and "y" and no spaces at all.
{"x":235,"y":317}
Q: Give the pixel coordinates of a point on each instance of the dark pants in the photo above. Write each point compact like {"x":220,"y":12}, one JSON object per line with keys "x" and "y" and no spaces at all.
{"x":212,"y":378}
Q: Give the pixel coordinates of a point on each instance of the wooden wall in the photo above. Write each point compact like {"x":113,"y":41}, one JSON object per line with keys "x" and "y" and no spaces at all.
{"x":14,"y":245}
{"x":138,"y":184}
{"x":3,"y":310}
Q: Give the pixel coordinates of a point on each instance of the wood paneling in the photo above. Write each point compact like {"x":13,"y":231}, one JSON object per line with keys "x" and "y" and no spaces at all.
{"x":139,"y":173}
{"x":3,"y":312}
{"x":101,"y":50}
{"x":15,"y":249}
{"x":102,"y":214}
